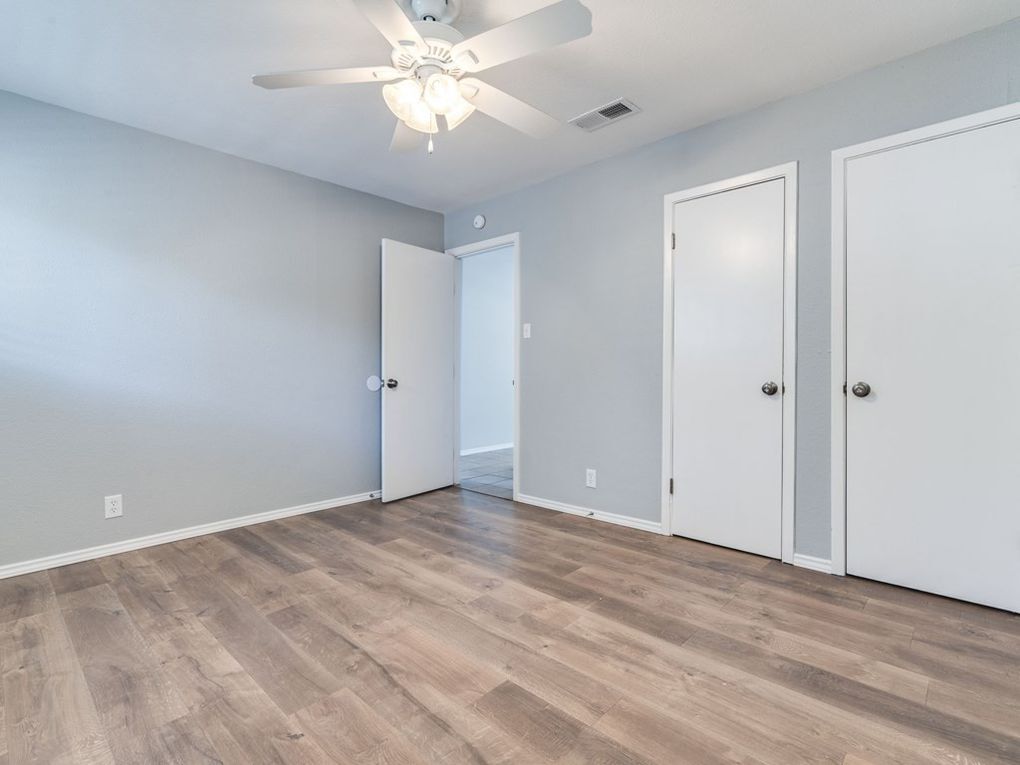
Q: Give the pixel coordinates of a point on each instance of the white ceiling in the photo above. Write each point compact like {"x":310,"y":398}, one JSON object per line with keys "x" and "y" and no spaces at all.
{"x":182,"y":67}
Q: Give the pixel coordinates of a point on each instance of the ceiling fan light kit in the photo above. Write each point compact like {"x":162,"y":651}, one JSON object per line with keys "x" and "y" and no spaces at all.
{"x":430,"y":59}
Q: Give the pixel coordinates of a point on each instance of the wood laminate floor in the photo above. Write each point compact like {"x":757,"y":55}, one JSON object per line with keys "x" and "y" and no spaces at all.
{"x":460,"y":628}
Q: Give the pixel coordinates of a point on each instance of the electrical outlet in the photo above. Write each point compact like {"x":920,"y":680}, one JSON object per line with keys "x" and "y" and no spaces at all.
{"x":590,"y":477}
{"x":114,"y":506}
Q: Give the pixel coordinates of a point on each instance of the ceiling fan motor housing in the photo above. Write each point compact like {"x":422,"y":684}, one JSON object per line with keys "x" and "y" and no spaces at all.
{"x":439,"y":39}
{"x":443,"y":11}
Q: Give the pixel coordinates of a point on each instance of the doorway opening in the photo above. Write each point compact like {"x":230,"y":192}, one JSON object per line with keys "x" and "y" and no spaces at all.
{"x":486,"y":451}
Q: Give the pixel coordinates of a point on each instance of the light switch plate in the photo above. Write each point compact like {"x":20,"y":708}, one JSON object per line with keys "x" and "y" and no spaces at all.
{"x":527,"y":331}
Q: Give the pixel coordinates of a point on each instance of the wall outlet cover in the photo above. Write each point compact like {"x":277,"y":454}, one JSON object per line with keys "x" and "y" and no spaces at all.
{"x":590,"y":478}
{"x":114,"y":506}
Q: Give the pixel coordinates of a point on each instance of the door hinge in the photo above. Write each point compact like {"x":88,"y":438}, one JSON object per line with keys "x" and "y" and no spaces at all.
{"x":844,"y":388}
{"x":674,"y":241}
{"x":670,"y":485}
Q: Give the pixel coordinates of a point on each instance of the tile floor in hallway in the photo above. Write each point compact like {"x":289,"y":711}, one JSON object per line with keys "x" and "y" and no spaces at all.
{"x":490,"y":473}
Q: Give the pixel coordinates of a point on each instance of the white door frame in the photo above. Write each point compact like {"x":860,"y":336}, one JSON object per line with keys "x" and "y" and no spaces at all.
{"x":788,"y":172}
{"x":840,"y":157}
{"x":477,"y":248}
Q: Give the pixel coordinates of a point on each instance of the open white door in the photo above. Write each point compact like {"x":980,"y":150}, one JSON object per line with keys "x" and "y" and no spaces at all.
{"x":417,"y":367}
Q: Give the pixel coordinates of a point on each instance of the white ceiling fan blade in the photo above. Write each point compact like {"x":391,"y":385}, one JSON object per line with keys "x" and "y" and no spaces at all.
{"x":406,"y":138}
{"x":507,"y":109}
{"x":327,"y":77}
{"x":389,"y":19}
{"x":545,"y":28}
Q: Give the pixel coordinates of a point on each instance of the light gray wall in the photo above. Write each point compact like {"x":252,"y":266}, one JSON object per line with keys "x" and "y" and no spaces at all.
{"x":487,"y":349}
{"x":181,"y":326}
{"x":591,"y":259}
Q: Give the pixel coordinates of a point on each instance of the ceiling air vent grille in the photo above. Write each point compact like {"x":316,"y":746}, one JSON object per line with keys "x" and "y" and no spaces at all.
{"x":604,"y":115}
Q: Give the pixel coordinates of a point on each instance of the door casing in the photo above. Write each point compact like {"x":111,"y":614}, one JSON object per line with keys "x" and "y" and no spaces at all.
{"x":788,"y":172}
{"x":508,"y":240}
{"x":840,"y":158}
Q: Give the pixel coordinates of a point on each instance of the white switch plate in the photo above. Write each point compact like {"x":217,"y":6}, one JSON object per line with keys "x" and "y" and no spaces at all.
{"x":527,"y":331}
{"x":114,"y":506}
{"x":590,"y":478}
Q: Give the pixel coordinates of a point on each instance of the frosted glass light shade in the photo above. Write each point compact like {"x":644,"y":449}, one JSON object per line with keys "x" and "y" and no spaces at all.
{"x":401,"y":97}
{"x":458,"y":114}
{"x":442,"y":93}
{"x":422,"y":119}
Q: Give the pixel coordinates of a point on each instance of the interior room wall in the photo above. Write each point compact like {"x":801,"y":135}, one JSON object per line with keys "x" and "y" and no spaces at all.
{"x":182,"y":327}
{"x":487,"y":350}
{"x":591,"y":271}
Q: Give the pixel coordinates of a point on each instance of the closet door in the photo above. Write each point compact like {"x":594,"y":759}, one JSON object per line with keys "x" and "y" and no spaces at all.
{"x":728,"y":367}
{"x":933,"y":365}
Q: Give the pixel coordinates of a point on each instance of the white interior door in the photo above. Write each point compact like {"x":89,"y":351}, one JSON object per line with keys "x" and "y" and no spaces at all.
{"x":417,"y":365}
{"x":933,"y":326}
{"x":727,"y":344}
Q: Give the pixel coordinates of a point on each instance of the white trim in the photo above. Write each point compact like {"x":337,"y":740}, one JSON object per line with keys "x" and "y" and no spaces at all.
{"x":815,"y":564}
{"x":598,"y":515}
{"x":788,"y":172}
{"x":840,"y":158}
{"x":487,"y":245}
{"x":483,"y":449}
{"x":464,"y":251}
{"x":138,"y":543}
{"x":837,"y":378}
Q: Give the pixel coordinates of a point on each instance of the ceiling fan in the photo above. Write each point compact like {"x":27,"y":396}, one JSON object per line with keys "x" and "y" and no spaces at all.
{"x":430,"y":59}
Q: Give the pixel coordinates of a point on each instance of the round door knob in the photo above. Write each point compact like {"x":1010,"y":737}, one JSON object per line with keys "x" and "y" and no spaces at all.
{"x":770,"y":388}
{"x":391,"y":383}
{"x":861,"y":389}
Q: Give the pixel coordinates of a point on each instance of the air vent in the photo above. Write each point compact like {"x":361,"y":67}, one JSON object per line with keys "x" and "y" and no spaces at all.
{"x":611,"y":112}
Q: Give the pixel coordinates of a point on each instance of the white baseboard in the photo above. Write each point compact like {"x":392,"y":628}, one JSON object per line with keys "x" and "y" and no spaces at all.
{"x":598,"y":515}
{"x":815,"y":564}
{"x":481,"y":449}
{"x":138,"y":543}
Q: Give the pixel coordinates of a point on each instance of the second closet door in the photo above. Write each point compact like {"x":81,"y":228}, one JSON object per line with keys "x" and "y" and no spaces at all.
{"x":933,"y":365}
